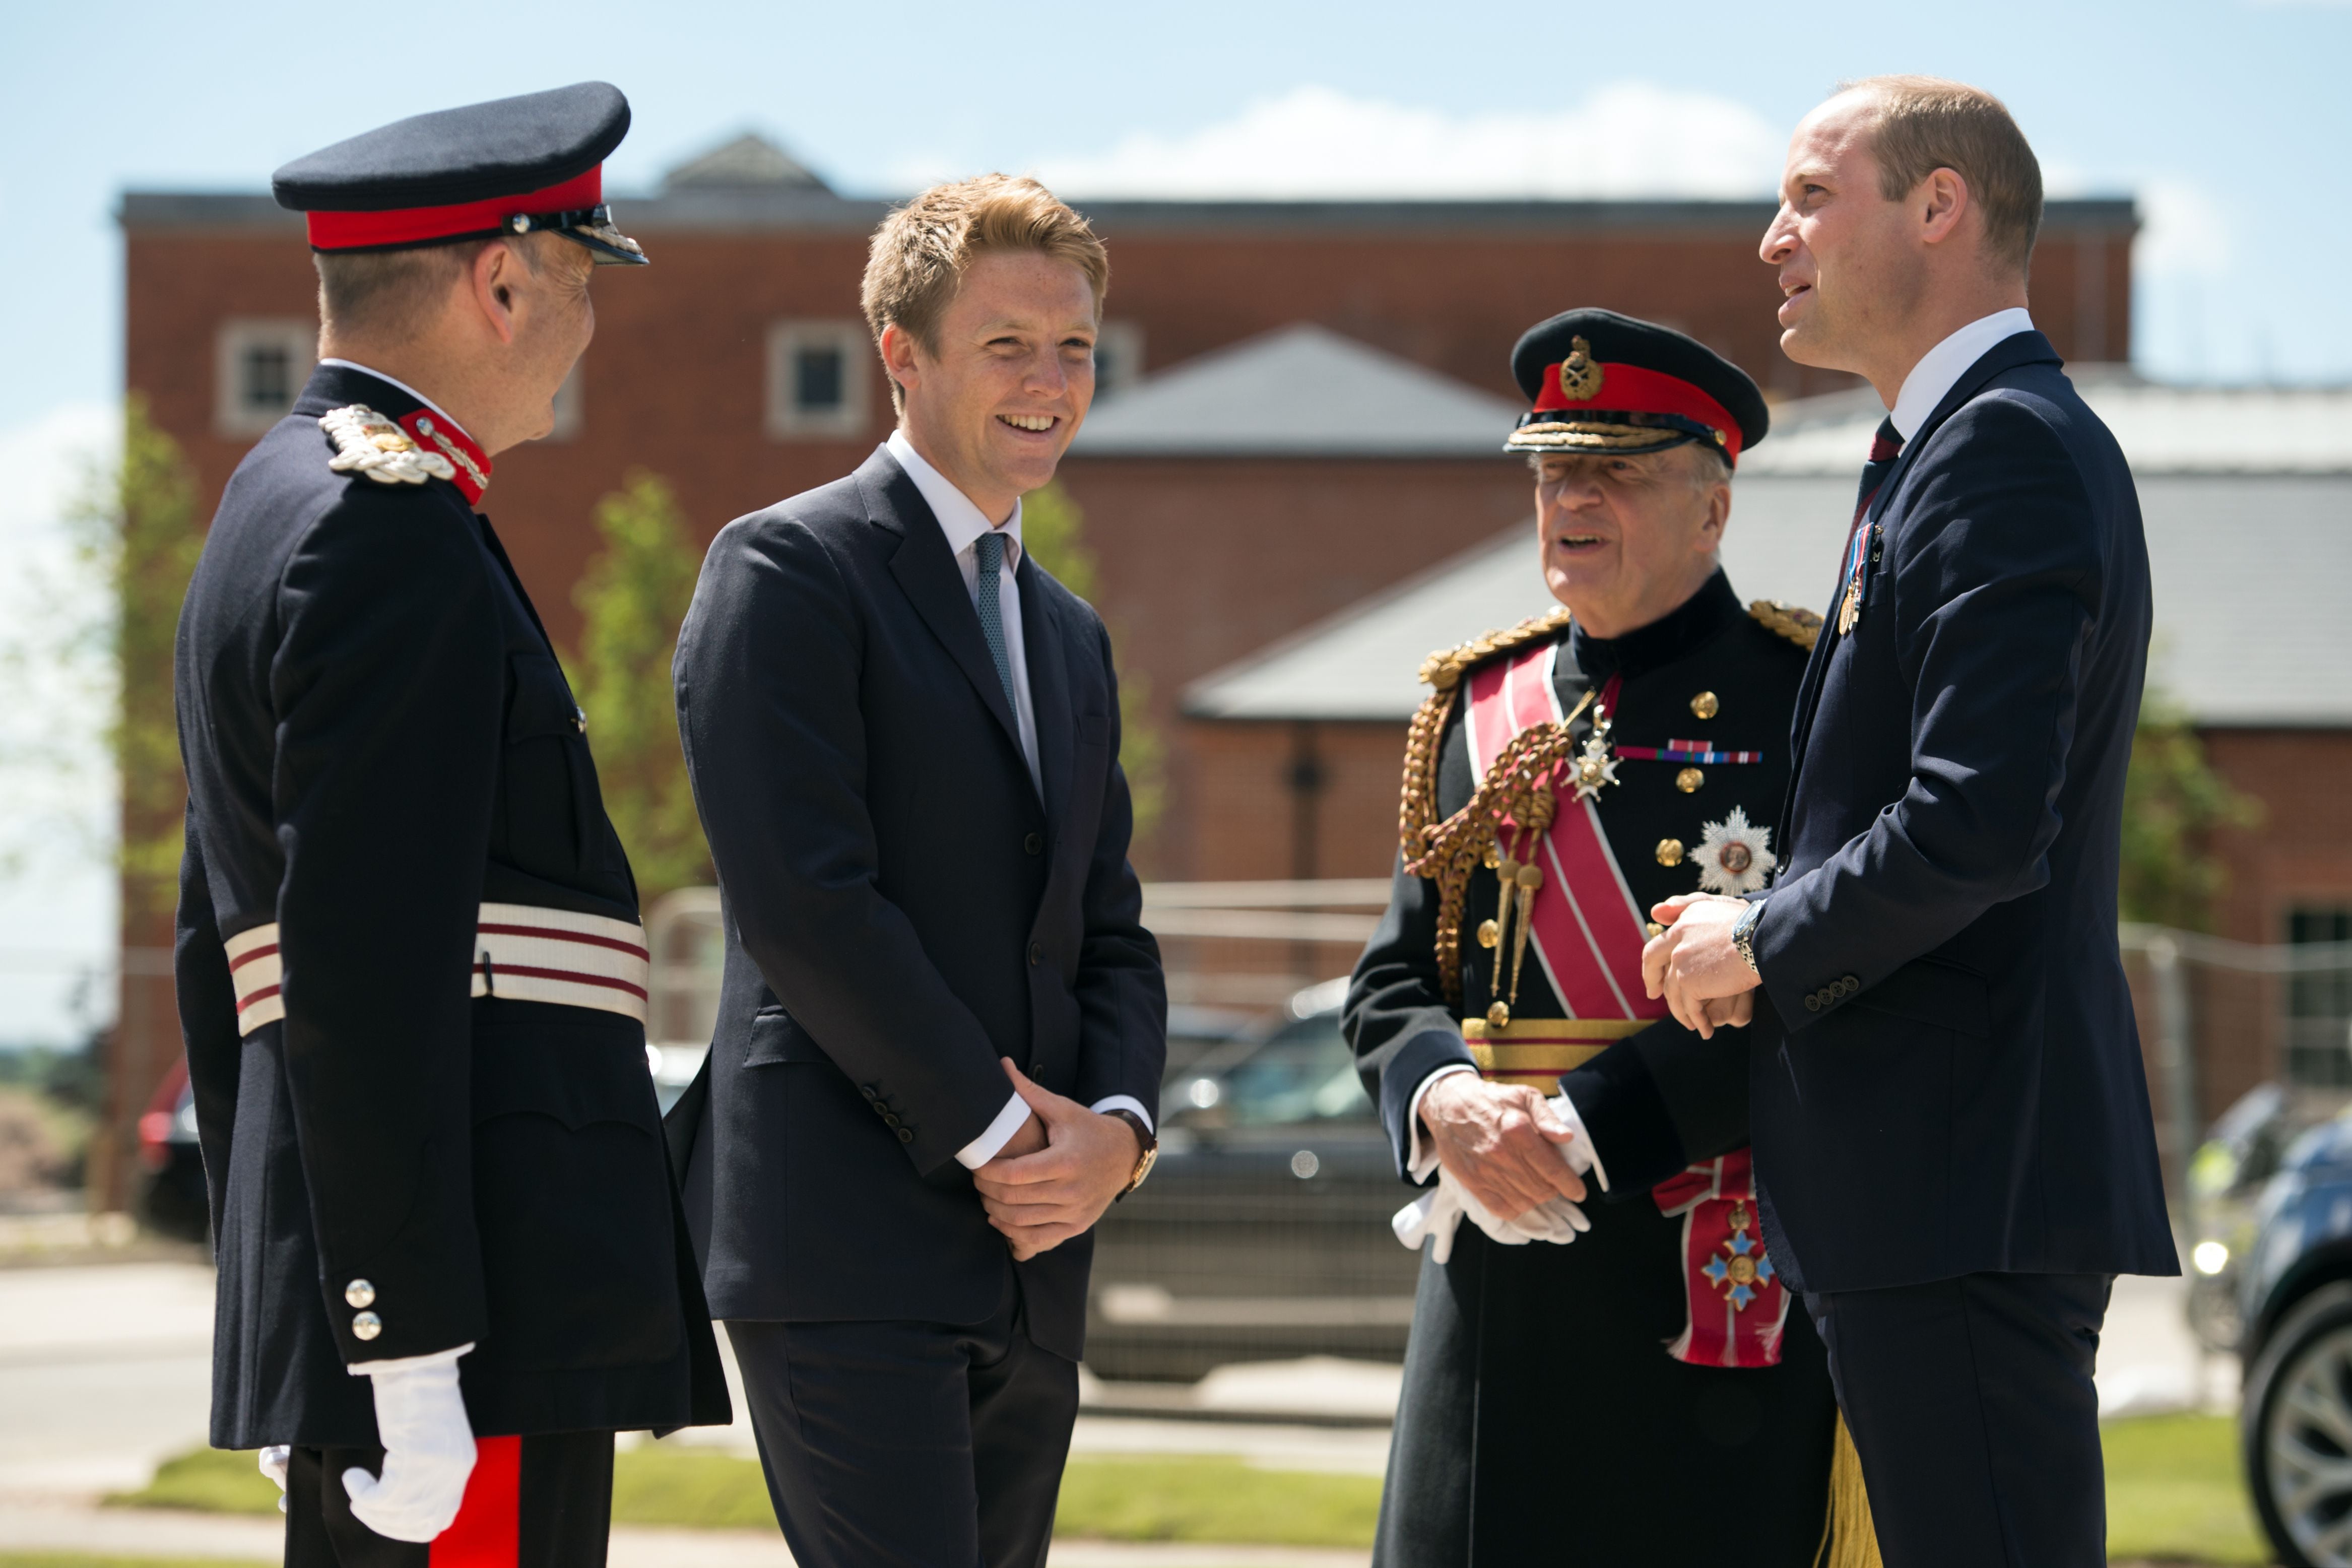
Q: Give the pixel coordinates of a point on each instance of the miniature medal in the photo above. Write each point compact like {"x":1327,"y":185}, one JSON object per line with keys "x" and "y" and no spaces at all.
{"x":1595,"y":767}
{"x":1736,"y":856}
{"x":368,"y":443}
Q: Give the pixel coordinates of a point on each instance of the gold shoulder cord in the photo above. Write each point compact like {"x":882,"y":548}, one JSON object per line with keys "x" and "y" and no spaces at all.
{"x":1516,"y":789}
{"x":1795,"y":623}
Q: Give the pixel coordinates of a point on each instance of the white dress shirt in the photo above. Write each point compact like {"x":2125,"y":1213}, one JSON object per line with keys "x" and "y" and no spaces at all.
{"x":1941,"y":367}
{"x":963,"y":523}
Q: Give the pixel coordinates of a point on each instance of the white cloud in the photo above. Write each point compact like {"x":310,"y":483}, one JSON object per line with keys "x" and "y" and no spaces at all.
{"x":1626,"y":139}
{"x":2184,"y":232}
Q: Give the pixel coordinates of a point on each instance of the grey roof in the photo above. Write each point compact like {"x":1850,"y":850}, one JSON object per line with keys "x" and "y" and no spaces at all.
{"x":1298,"y":391}
{"x":749,"y":161}
{"x":2250,"y":625}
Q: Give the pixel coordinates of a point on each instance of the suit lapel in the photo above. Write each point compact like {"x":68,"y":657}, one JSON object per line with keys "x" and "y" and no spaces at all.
{"x":933,"y":584}
{"x":1049,"y":688}
{"x":2021,"y":348}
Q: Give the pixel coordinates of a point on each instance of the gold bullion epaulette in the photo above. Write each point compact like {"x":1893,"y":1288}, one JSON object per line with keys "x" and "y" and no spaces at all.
{"x":1795,"y":623}
{"x":1445,"y":669}
{"x":368,"y":443}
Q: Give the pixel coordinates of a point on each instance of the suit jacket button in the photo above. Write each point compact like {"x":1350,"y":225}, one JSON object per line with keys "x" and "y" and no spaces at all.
{"x":1037,"y":1068}
{"x":1850,"y":985}
{"x":366,"y":1326}
{"x":905,"y":1136}
{"x":1035,"y":844}
{"x":359,"y":1293}
{"x":1813,"y":1003}
{"x":888,"y":1120}
{"x":1037,"y":953}
{"x":867,"y":1090}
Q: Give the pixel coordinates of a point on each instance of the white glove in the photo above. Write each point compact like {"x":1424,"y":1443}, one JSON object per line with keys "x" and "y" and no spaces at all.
{"x":428,"y":1448}
{"x":275,"y":1460}
{"x":1436,"y":1215}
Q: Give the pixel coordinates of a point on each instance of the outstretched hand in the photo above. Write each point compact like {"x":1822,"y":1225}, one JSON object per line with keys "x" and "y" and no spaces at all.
{"x":1692,"y":964}
{"x":1039,"y":1199}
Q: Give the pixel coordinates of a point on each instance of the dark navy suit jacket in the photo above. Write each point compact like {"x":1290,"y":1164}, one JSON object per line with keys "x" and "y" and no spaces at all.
{"x":1947,"y":1077}
{"x":901,"y":911}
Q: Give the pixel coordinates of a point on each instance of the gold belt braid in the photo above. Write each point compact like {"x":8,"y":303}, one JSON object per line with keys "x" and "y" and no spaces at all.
{"x":1534,"y":1051}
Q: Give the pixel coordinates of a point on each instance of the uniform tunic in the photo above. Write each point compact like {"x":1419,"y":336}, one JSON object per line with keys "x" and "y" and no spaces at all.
{"x":379,"y":740}
{"x":1542,"y":1419}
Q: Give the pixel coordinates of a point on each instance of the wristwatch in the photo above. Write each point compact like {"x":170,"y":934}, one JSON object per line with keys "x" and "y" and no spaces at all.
{"x":1743,"y":936}
{"x":1147,"y":1140}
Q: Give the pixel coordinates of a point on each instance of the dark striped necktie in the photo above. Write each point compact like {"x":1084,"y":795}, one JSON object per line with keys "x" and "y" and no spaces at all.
{"x":1885,"y":447}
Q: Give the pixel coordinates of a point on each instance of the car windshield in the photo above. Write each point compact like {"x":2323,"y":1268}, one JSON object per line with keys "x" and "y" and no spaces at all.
{"x":1303,"y":1072}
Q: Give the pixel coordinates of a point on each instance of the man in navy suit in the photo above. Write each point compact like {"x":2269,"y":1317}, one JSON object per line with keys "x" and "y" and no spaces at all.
{"x":939,"y":1039}
{"x":1952,"y":1138}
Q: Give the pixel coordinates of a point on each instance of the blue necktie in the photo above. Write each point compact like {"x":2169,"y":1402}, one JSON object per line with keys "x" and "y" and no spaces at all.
{"x":991,"y":551}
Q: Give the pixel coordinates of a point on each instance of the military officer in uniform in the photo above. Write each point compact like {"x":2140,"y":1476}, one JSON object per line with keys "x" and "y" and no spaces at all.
{"x":410,"y":972}
{"x":1642,"y":1394}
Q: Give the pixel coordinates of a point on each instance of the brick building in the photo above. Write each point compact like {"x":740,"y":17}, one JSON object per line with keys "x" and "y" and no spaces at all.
{"x":737,"y":367}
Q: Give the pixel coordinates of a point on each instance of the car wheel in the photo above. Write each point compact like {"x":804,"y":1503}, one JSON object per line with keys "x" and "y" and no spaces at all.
{"x":2295,"y":1432}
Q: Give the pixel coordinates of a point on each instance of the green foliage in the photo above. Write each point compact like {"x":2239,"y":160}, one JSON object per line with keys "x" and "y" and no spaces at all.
{"x":139,"y":529}
{"x":632,"y":601}
{"x":1052,"y":530}
{"x":2175,"y":1491}
{"x":662,"y":1483}
{"x":205,"y":1480}
{"x":2173,"y":801}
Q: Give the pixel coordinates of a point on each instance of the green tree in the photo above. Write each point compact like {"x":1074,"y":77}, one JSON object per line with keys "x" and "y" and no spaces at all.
{"x":139,"y":530}
{"x":2173,"y":802}
{"x":1053,"y":528}
{"x":632,"y":600}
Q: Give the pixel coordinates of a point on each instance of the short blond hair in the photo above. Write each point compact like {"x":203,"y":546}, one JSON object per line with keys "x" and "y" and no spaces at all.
{"x":919,"y":254}
{"x":1924,"y":123}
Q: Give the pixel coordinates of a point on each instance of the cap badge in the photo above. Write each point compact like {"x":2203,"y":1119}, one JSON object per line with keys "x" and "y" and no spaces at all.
{"x":1580,"y":378}
{"x":368,"y":443}
{"x":1736,"y":856}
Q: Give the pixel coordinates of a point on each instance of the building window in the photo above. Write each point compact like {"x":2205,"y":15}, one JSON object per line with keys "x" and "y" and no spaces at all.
{"x":2319,"y":1004}
{"x":262,"y":367}
{"x":1119,"y":357}
{"x":818,"y":380}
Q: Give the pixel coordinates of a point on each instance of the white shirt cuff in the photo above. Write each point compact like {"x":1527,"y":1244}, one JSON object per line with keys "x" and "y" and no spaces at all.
{"x":984,"y":1148}
{"x":1419,"y":1162}
{"x":1565,"y":1109}
{"x":407,"y":1362}
{"x":1109,"y":1103}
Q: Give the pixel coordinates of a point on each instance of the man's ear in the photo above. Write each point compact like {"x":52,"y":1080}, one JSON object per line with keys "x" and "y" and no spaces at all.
{"x":1718,"y":515}
{"x":1942,"y":203}
{"x":898,"y":356}
{"x":491,"y":280}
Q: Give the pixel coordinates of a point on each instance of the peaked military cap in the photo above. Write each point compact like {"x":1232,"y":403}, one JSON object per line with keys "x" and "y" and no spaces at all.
{"x":1605,"y":383}
{"x":516,"y":166}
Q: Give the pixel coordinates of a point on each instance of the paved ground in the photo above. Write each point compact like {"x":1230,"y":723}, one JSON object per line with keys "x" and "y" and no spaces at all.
{"x":104,"y":1371}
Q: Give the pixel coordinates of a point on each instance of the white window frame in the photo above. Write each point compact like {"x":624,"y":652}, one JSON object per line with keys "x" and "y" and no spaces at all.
{"x":231,"y":416}
{"x":1124,"y":342}
{"x":788,"y":422}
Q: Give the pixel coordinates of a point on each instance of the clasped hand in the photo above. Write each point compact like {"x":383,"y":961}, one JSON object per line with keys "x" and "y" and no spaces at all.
{"x":1692,"y":964}
{"x":1500,"y":1142}
{"x":1057,"y":1174}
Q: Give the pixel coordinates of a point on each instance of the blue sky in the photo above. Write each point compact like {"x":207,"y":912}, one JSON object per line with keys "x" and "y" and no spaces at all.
{"x":2229,"y":118}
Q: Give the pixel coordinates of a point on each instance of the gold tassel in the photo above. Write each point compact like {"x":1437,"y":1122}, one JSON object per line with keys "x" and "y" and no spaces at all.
{"x":1848,"y":1538}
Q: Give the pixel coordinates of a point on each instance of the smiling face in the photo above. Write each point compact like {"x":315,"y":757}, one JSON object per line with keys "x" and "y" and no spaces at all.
{"x":993,"y":402}
{"x":1628,"y":539}
{"x":1850,"y":270}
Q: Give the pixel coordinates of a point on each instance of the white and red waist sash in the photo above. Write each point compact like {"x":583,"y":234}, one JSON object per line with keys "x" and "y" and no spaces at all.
{"x":1587,"y":933}
{"x":521,"y":952}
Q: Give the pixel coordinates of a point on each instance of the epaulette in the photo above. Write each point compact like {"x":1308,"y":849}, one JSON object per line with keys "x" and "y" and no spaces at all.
{"x":1445,"y":669}
{"x":1795,"y":623}
{"x":368,"y":443}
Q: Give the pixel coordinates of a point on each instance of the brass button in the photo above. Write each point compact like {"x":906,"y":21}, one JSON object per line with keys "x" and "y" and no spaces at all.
{"x":359,"y":1293}
{"x":1688,"y":780}
{"x":366,"y":1326}
{"x":1489,"y":933}
{"x":1670,"y":853}
{"x":1705,"y":705}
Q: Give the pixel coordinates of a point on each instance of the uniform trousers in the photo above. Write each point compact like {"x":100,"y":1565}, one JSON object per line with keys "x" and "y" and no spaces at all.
{"x":1972,"y":1408}
{"x":532,"y":1502}
{"x":911,"y":1445}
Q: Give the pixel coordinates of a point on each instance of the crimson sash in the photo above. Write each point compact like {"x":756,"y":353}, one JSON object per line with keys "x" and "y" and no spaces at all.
{"x":1587,"y":933}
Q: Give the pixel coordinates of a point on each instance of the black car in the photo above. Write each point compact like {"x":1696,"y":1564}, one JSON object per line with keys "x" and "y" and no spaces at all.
{"x":2295,"y":1299}
{"x":1264,"y":1231}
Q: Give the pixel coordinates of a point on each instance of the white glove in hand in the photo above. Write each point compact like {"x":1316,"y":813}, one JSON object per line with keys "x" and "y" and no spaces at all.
{"x":1435,"y":1215}
{"x":428,"y":1448}
{"x":275,"y":1460}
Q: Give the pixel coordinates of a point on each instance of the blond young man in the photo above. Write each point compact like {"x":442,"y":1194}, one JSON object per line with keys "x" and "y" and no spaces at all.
{"x":940,"y":1043}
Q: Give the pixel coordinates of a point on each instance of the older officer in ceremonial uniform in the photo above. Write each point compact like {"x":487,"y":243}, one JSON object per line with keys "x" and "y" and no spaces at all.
{"x":1644,"y":1395}
{"x":410,"y":971}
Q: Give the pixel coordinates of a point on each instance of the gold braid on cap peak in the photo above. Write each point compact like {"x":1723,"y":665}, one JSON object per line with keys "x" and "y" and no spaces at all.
{"x":1795,"y":623}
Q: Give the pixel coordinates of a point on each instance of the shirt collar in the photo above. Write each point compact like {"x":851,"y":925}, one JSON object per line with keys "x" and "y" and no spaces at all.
{"x":1664,"y":640}
{"x":959,"y":519}
{"x":1941,"y":367}
{"x":396,"y":381}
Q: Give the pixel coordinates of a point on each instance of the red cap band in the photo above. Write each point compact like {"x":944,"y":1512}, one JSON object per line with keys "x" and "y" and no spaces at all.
{"x":1632,"y":389}
{"x":421,"y":225}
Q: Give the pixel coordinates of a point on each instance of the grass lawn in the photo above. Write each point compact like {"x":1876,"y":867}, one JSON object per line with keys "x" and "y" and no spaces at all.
{"x":2173,"y":1494}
